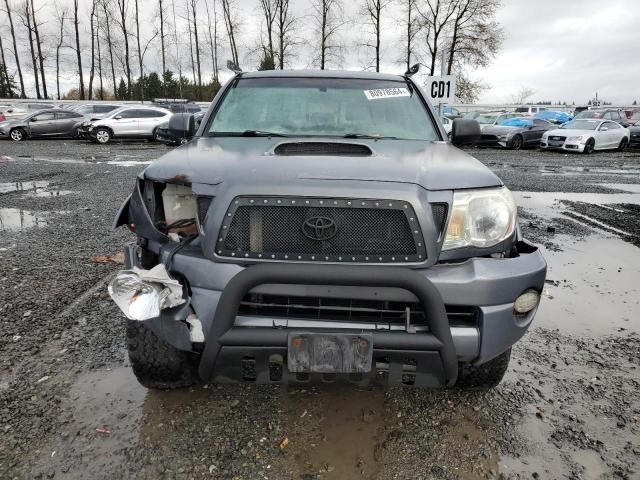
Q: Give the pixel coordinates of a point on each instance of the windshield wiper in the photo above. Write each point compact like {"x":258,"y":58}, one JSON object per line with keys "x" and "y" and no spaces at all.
{"x":366,"y":135}
{"x":249,"y":133}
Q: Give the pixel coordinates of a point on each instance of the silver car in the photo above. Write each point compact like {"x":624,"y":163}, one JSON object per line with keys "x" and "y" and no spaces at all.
{"x":127,"y":122}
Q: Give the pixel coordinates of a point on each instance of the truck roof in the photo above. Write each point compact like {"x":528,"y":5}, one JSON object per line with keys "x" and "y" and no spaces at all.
{"x":321,"y":74}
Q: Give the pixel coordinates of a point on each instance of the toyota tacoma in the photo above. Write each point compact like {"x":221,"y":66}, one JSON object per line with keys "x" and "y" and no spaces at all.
{"x":320,"y":226}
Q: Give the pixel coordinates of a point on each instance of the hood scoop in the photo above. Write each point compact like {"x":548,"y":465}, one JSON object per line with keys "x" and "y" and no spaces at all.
{"x":323,"y":148}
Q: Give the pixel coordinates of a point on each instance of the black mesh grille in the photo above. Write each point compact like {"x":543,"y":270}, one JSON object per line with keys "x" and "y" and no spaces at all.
{"x":322,"y":230}
{"x":439,"y":212}
{"x":323,"y":148}
{"x":203,"y":207}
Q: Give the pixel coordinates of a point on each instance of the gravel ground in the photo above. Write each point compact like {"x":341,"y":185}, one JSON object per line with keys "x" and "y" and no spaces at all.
{"x":70,"y":407}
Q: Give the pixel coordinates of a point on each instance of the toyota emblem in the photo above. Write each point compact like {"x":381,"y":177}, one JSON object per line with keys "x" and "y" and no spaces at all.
{"x":319,"y":228}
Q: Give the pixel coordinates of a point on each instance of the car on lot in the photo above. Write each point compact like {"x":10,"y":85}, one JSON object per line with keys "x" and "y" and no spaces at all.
{"x":490,"y":119}
{"x":529,"y":110}
{"x":634,"y":133}
{"x":138,"y":121}
{"x":451,"y":112}
{"x":586,"y":136}
{"x":447,"y":123}
{"x":171,"y":137}
{"x":515,"y":133}
{"x":94,"y":111}
{"x":605,"y":114}
{"x":319,"y":225}
{"x":555,"y":117}
{"x":474,"y":114}
{"x":9,"y":111}
{"x":51,"y":123}
{"x":177,"y":105}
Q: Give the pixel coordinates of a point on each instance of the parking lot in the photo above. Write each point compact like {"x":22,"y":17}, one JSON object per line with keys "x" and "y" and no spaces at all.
{"x":71,"y":408}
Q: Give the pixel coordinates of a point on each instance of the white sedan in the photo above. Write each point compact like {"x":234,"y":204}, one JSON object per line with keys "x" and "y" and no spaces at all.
{"x":587,"y":135}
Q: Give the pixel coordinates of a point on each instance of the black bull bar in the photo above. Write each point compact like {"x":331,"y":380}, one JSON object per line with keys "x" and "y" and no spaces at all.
{"x":221,"y":332}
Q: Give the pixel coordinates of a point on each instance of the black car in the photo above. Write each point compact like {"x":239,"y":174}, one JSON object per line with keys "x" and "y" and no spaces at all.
{"x":170,"y":137}
{"x":614,"y":114}
{"x":634,"y":140}
{"x":43,"y":123}
{"x":515,"y":133}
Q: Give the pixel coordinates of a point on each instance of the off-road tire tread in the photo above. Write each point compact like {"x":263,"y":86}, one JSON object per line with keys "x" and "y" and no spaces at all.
{"x":155,"y":363}
{"x":485,"y":376}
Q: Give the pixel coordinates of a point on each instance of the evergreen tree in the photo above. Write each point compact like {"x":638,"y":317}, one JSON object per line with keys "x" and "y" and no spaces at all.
{"x":121,"y":93}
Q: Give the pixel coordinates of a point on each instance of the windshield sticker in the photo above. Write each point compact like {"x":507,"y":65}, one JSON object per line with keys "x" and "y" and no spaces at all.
{"x":386,"y":93}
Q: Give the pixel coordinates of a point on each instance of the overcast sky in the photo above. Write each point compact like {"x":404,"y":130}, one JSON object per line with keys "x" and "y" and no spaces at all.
{"x":563,"y":49}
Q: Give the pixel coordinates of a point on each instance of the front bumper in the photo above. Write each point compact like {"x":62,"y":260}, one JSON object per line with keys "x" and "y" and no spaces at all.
{"x":567,"y":145}
{"x":490,"y":285}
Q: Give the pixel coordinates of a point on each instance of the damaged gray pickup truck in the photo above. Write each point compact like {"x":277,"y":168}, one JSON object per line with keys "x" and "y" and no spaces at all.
{"x":320,"y":226}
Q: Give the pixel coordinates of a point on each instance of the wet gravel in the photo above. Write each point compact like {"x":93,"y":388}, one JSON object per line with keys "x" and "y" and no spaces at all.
{"x":568,"y":408}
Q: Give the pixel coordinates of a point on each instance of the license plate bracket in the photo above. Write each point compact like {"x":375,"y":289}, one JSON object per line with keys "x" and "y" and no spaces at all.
{"x":311,"y":352}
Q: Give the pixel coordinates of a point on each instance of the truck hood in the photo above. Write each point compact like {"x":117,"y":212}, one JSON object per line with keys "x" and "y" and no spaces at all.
{"x":432,"y":165}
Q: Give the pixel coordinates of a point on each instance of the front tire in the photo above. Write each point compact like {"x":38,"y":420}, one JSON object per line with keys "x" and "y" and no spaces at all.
{"x":624,"y":143}
{"x":590,"y":146}
{"x":17,"y":135}
{"x":155,"y":363}
{"x":103,"y":136}
{"x":517,"y":142}
{"x":485,"y":376}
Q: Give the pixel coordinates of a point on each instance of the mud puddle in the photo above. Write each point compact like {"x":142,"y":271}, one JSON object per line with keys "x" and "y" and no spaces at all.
{"x":34,"y":188}
{"x":15,"y":219}
{"x":333,"y":432}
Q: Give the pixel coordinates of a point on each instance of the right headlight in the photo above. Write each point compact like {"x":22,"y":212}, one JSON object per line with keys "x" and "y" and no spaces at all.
{"x":480,"y":218}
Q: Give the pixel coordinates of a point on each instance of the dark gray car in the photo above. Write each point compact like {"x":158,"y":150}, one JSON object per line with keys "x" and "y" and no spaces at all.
{"x":320,"y":226}
{"x":43,"y":123}
{"x":515,"y":133}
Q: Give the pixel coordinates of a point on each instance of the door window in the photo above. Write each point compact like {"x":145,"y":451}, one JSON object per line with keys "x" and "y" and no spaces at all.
{"x":43,"y":117}
{"x":67,"y":115}
{"x":129,"y":113}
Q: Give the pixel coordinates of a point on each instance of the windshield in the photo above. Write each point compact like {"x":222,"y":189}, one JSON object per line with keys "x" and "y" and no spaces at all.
{"x":589,"y":114}
{"x":522,"y":109}
{"x":581,"y":125}
{"x":322,"y":107}
{"x":487,"y":118}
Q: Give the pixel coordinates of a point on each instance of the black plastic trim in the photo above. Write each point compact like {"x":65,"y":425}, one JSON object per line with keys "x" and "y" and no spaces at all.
{"x":371,"y":276}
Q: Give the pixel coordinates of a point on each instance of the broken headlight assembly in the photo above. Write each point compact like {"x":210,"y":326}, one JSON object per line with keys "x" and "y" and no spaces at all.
{"x":141,"y":294}
{"x":480,"y":218}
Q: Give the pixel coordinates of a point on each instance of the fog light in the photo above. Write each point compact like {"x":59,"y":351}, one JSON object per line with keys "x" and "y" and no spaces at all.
{"x":141,"y":294}
{"x":526,"y":302}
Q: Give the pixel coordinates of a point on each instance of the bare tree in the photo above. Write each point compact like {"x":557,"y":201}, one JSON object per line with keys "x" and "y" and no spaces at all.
{"x":92,"y":26}
{"x":36,"y":31}
{"x":194,"y":16}
{"x":269,"y":12}
{"x":162,"y":49}
{"x":475,"y":36}
{"x":141,"y":79}
{"x":178,"y":58}
{"x":328,"y":18}
{"x":99,"y":53}
{"x":107,"y":28}
{"x":61,"y":14}
{"x":522,"y":94}
{"x":15,"y":48}
{"x":213,"y":38}
{"x":372,"y":10}
{"x":25,"y":16}
{"x":122,"y":23}
{"x":193,"y":63}
{"x":4,"y":74}
{"x":411,"y":25}
{"x":232,"y":25}
{"x":436,"y":18}
{"x":285,"y":26}
{"x":76,"y":24}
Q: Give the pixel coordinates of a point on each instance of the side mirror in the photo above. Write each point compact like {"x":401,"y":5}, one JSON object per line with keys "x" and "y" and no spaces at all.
{"x":604,"y":129}
{"x":34,"y":119}
{"x":117,"y":117}
{"x":465,"y":131}
{"x":182,"y":125}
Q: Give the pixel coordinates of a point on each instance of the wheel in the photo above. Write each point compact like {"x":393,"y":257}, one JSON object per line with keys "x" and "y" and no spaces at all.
{"x":17,"y":135}
{"x":155,"y":363}
{"x":184,"y":141}
{"x":154,"y":135}
{"x":590,"y":146}
{"x":624,"y":143}
{"x":103,"y":135}
{"x":517,"y":142}
{"x":487,"y":375}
